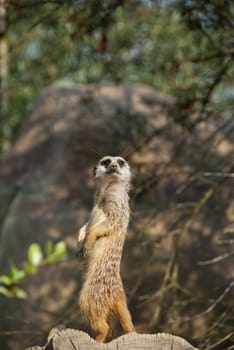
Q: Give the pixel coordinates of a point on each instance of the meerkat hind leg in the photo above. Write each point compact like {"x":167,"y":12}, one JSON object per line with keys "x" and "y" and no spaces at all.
{"x":103,"y":329}
{"x":122,"y":313}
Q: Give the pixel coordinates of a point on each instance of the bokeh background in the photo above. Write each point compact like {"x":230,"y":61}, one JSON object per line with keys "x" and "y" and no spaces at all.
{"x":152,"y":81}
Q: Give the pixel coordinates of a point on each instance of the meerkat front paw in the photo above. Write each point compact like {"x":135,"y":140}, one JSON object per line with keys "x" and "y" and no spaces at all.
{"x":80,"y":253}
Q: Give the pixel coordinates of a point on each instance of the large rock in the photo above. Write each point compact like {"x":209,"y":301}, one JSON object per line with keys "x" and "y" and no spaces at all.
{"x":46,"y":190}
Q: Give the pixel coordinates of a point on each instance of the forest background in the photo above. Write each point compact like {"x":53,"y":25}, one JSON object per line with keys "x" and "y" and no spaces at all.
{"x":182,"y":48}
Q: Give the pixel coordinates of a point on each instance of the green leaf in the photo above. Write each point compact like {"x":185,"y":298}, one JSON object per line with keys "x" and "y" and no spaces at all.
{"x":35,"y":255}
{"x":30,"y":269}
{"x":20,"y":293}
{"x":6,"y":280}
{"x":52,"y":259}
{"x":60,"y":249}
{"x":49,"y":248}
{"x":58,"y":254}
{"x":16,"y":275}
{"x":4,"y":291}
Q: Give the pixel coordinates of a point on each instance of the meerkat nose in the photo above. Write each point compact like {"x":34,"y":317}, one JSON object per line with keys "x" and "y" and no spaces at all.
{"x":114,"y":166}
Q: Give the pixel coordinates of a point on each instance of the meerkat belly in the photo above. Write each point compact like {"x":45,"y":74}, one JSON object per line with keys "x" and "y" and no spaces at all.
{"x":102,"y":280}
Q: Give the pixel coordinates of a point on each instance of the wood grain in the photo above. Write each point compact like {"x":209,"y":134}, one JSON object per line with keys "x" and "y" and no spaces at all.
{"x":71,"y":339}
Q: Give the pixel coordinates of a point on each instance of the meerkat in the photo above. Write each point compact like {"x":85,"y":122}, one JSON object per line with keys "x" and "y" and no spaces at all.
{"x":100,"y":244}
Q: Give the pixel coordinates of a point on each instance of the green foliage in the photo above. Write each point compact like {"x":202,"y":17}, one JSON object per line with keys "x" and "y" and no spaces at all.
{"x":10,"y":283}
{"x":179,"y":47}
{"x":35,"y":255}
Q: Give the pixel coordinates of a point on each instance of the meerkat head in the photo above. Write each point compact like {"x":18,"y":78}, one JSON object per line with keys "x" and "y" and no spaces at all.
{"x":112,"y":169}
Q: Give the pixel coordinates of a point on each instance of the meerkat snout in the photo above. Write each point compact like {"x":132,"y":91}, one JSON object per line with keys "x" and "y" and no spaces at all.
{"x":116,"y":168}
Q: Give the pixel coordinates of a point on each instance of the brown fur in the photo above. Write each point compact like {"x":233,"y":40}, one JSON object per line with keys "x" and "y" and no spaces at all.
{"x":102,"y":294}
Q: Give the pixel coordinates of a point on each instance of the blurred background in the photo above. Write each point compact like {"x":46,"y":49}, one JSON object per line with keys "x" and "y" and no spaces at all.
{"x":152,"y":81}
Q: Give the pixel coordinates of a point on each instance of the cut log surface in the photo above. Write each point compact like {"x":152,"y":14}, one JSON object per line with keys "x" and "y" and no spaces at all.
{"x":71,"y":339}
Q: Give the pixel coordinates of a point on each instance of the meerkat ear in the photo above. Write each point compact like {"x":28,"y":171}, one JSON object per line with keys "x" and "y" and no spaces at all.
{"x":95,"y":171}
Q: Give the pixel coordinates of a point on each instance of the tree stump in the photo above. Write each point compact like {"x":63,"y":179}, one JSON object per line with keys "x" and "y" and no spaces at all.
{"x":71,"y":339}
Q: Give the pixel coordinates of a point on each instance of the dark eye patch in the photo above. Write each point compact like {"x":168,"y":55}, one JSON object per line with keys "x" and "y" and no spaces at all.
{"x":120,"y":162}
{"x":105,"y":162}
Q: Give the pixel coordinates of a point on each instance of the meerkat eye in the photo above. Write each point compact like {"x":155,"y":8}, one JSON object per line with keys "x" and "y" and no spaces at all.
{"x":105,"y":162}
{"x":120,"y":162}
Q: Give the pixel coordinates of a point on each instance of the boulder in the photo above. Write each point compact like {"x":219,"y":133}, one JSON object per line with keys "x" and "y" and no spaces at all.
{"x":46,"y":191}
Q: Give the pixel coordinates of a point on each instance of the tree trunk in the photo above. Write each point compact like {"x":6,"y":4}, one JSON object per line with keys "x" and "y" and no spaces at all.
{"x":4,"y":89}
{"x":71,"y":339}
